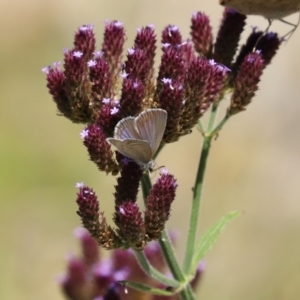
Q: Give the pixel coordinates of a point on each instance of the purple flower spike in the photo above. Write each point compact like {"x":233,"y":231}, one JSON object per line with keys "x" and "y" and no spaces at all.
{"x":85,"y":41}
{"x":128,"y":183}
{"x":89,"y":247}
{"x":158,"y":204}
{"x":228,"y":36}
{"x":99,"y":149}
{"x":171,"y":35}
{"x":74,"y":284}
{"x":171,"y":100}
{"x":246,"y":82}
{"x":131,"y":230}
{"x":146,"y":41}
{"x":101,"y":79}
{"x":113,"y":43}
{"x":172,"y":66}
{"x":201,"y":33}
{"x":93,"y":220}
{"x":268,"y":44}
{"x":131,"y":101}
{"x":137,"y":65}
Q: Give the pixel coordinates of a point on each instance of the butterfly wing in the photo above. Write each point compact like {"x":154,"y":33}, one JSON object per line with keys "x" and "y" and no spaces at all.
{"x":137,"y":150}
{"x":125,"y":129}
{"x":151,"y":125}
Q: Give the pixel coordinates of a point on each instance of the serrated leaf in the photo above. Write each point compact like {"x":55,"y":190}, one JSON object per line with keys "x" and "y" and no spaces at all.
{"x":209,"y":238}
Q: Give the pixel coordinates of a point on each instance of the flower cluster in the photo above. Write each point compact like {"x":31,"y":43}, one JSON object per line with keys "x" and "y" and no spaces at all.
{"x":94,"y":277}
{"x":133,"y":230}
{"x":99,"y":88}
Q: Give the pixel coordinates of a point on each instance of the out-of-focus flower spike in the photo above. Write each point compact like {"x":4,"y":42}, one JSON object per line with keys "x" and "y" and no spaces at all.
{"x":102,"y":273}
{"x":171,"y":35}
{"x":121,"y":259}
{"x":170,"y":99}
{"x":85,"y":41}
{"x":246,"y":82}
{"x":77,"y":86}
{"x":158,"y":204}
{"x":198,"y":276}
{"x":113,"y":293}
{"x":154,"y":255}
{"x":90,"y":249}
{"x":201,"y":33}
{"x":101,"y":80}
{"x":99,"y":149}
{"x":74,"y":283}
{"x":128,"y":183}
{"x":228,"y":36}
{"x":93,"y":220}
{"x":268,"y":45}
{"x":130,"y":224}
{"x":56,"y":86}
{"x":112,"y":47}
{"x":131,"y":101}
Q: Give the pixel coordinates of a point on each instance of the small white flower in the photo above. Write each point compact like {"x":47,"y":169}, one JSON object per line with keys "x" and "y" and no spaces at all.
{"x":212,"y":62}
{"x":77,"y":54}
{"x":92,"y":63}
{"x":130,"y":51}
{"x":164,"y":171}
{"x":57,"y":64}
{"x":167,"y":80}
{"x":98,"y":54}
{"x":106,"y":100}
{"x":46,"y":70}
{"x":124,"y":75}
{"x":79,"y":185}
{"x":84,"y":133}
{"x":114,"y":111}
{"x":118,"y":24}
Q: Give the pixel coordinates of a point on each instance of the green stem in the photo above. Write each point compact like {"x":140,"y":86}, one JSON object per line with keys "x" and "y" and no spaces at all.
{"x":213,"y":116}
{"x":152,"y":272}
{"x":196,"y":206}
{"x":195,"y":210}
{"x":220,"y":125}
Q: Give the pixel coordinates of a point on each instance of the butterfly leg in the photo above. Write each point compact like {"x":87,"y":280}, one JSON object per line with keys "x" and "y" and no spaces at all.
{"x":295,"y":26}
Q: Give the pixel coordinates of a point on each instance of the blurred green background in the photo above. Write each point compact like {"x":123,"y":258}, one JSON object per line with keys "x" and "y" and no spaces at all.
{"x":254,"y":165}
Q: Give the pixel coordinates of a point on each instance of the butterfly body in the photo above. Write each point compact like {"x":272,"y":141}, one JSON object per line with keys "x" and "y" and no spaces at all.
{"x":270,"y":9}
{"x":139,"y":137}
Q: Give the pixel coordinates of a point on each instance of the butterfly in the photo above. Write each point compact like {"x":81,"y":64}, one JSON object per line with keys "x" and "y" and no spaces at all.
{"x":139,"y":137}
{"x":270,"y":9}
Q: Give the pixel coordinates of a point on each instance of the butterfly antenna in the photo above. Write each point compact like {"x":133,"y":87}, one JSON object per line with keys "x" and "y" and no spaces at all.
{"x":155,"y":170}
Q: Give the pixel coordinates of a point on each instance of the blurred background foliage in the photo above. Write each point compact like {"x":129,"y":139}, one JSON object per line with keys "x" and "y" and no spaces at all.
{"x":253,"y":166}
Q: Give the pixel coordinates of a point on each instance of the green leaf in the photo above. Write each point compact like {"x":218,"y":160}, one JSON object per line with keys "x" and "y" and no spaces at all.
{"x":146,"y":288}
{"x":209,"y":238}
